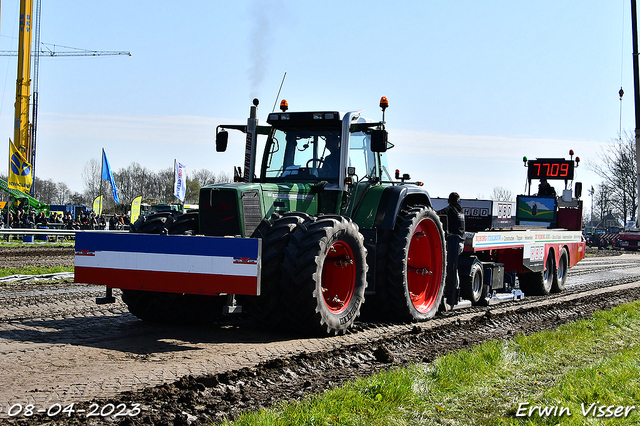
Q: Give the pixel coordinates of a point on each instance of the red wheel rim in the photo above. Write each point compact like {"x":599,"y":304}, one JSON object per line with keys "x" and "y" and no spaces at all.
{"x":338,"y":277}
{"x":425,"y":266}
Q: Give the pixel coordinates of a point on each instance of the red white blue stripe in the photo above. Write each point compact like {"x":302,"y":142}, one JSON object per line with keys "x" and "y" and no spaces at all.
{"x":170,"y":263}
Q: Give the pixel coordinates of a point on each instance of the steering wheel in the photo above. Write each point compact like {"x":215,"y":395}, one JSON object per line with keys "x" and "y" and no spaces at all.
{"x":319,"y":162}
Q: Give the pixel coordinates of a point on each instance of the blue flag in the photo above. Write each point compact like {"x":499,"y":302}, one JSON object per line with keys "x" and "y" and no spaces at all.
{"x":108,"y":175}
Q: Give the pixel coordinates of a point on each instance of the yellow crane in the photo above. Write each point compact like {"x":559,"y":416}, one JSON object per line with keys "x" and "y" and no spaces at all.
{"x":22,"y":158}
{"x":19,"y":170}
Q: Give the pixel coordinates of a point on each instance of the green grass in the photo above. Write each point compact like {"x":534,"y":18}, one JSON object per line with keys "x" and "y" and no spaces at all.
{"x":21,"y":244}
{"x":34,"y":270}
{"x":588,"y":362}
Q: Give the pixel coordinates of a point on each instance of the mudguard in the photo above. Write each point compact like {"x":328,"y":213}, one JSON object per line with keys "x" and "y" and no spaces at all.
{"x":393,"y":199}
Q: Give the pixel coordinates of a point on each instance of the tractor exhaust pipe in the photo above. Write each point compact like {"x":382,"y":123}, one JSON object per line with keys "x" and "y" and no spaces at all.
{"x":251,"y":143}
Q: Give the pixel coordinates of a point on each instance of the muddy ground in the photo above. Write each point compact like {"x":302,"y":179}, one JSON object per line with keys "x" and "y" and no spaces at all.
{"x":45,"y":257}
{"x":198,"y":399}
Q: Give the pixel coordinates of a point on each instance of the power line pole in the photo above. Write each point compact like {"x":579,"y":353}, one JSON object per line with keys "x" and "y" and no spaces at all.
{"x":636,"y":92}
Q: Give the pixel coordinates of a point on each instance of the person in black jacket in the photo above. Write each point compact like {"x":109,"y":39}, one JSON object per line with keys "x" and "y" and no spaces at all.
{"x":330,"y":164}
{"x":455,"y":244}
{"x":546,"y":190}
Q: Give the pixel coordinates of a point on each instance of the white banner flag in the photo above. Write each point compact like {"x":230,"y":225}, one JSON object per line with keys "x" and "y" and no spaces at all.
{"x":180,"y":183}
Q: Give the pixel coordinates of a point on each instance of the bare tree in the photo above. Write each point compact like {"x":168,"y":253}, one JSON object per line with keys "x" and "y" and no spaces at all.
{"x":192,"y":193}
{"x":47,"y":190}
{"x":142,"y":180}
{"x":204,"y":177}
{"x":618,"y":168}
{"x":91,"y":175}
{"x":601,"y":201}
{"x":501,"y":194}
{"x":164,"y":186}
{"x":63,"y":194}
{"x":78,"y":199}
{"x":223,"y":177}
{"x":136,"y":180}
{"x":133,"y":181}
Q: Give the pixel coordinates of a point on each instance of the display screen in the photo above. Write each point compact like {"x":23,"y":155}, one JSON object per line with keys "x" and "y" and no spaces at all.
{"x":536,"y":209}
{"x":550,"y":168}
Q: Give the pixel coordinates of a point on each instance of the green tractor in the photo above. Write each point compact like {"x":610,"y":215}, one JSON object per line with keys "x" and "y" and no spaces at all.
{"x":19,"y":200}
{"x":335,"y":229}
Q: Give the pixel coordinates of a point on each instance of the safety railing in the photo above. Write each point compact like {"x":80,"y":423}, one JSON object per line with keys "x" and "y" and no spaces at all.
{"x":6,"y":233}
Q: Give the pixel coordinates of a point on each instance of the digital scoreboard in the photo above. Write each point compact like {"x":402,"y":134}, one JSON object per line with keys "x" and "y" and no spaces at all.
{"x":550,"y":168}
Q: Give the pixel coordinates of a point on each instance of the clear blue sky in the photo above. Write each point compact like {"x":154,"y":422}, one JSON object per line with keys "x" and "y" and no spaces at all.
{"x":473,"y":86}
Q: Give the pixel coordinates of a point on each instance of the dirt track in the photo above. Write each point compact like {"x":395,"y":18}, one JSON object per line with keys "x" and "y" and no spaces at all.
{"x":58,"y":347}
{"x":16,"y":257}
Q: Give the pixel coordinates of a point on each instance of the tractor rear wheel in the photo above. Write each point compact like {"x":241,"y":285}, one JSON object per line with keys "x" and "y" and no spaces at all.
{"x":415,"y":273}
{"x":324,"y":275}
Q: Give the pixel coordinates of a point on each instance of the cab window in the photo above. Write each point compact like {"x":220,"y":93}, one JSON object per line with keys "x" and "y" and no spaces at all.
{"x":302,"y":154}
{"x":361,"y":157}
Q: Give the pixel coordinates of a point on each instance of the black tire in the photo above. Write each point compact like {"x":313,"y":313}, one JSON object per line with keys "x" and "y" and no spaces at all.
{"x":185,"y":224}
{"x":560,"y":272}
{"x":146,"y":306}
{"x":472,"y":284}
{"x":274,"y":232}
{"x":172,"y":308}
{"x":324,"y":275}
{"x":158,"y":223}
{"x":377,"y":306}
{"x":538,"y":283}
{"x":415,"y":269}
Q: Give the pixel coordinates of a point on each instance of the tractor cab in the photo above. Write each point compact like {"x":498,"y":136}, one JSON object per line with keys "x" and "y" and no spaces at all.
{"x":319,"y":161}
{"x":339,"y":148}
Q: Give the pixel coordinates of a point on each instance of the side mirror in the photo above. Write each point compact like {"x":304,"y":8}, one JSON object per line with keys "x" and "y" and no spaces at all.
{"x":379,"y":140}
{"x":578,"y":189}
{"x":222,"y":139}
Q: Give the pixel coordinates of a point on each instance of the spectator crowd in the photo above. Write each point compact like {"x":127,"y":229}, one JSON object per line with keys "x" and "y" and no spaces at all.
{"x":86,"y":220}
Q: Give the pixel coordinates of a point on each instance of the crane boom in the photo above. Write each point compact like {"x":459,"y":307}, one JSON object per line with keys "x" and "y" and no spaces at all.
{"x":81,"y":52}
{"x":87,"y":53}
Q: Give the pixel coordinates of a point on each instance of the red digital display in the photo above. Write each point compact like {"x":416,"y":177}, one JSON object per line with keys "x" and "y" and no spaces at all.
{"x":550,"y":168}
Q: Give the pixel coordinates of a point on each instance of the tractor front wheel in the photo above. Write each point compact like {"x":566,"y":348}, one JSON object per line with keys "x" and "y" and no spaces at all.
{"x":324,"y":275}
